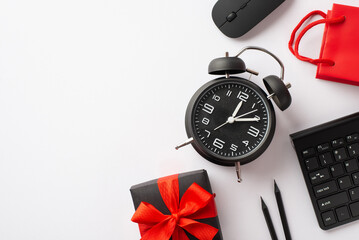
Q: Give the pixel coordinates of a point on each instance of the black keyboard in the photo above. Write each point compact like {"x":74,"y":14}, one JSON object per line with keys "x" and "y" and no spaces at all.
{"x":328,"y":156}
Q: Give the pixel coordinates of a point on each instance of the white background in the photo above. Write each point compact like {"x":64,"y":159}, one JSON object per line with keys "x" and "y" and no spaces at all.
{"x":92,"y":101}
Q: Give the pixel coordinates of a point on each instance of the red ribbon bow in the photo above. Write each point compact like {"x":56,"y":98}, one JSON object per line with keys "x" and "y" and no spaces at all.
{"x":196,"y":203}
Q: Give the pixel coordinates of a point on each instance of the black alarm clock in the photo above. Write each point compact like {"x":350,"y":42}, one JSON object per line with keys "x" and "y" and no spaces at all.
{"x":230,"y":120}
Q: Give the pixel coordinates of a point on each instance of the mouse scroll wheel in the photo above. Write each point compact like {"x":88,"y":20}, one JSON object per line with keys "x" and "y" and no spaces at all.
{"x":231,"y":16}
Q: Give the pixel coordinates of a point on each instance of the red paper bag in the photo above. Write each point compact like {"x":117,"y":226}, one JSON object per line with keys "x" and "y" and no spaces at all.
{"x":339,"y":55}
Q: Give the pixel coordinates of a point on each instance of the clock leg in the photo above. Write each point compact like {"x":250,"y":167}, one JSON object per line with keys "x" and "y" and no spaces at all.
{"x":188,"y":141}
{"x":238,"y":171}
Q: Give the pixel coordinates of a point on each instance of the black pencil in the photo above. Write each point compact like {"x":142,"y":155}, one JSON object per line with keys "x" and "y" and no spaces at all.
{"x":268,"y":221}
{"x":283,"y":216}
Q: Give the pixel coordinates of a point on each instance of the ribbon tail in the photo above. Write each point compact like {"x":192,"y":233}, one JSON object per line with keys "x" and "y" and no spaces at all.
{"x":201,"y":231}
{"x":148,"y":217}
{"x":144,"y":228}
{"x":160,"y":231}
{"x":179,"y":234}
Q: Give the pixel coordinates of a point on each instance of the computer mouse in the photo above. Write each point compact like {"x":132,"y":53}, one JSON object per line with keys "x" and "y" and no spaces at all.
{"x":236,"y":17}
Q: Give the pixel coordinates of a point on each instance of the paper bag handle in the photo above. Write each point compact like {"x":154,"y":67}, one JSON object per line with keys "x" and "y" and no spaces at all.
{"x":305,"y":29}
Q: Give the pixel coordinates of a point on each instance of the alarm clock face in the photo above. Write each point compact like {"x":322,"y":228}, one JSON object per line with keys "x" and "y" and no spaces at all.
{"x":230,"y":120}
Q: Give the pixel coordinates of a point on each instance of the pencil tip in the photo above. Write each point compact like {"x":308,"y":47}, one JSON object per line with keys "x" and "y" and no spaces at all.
{"x":276,"y":189}
{"x":263,"y":203}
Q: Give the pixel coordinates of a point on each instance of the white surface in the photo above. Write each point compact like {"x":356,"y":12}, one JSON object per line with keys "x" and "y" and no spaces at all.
{"x":92,"y":101}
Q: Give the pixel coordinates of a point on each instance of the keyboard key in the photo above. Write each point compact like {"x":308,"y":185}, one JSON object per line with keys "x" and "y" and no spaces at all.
{"x":319,"y":176}
{"x":328,"y":218}
{"x":351,"y":165}
{"x":354,"y":193}
{"x":323,"y":147}
{"x":325,"y":159}
{"x":308,"y":152}
{"x":333,"y":201}
{"x":338,"y":142}
{"x":353,"y":137}
{"x":344,"y":182}
{"x":337,"y":170}
{"x":355,"y":177}
{"x":340,"y":154}
{"x":353,"y":149}
{"x":342,"y":213}
{"x":325,"y":188}
{"x":311,"y":163}
{"x":354,"y":208}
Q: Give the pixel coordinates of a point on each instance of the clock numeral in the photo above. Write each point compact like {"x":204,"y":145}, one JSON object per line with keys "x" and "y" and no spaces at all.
{"x":216,"y":98}
{"x":243,"y":96}
{"x":234,"y":147}
{"x":229,"y":92}
{"x":253,"y":131}
{"x":218,"y":143}
{"x":208,"y":133}
{"x":245,"y":142}
{"x":205,"y":121}
{"x":208,"y":108}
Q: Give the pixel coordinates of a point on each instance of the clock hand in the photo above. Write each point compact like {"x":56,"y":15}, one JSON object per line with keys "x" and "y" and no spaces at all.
{"x":232,"y":119}
{"x":245,"y":114}
{"x":255,"y":119}
{"x":237,"y":109}
{"x":221,"y":125}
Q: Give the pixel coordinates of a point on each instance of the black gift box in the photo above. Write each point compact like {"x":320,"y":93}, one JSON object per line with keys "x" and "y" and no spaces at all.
{"x":149,"y":192}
